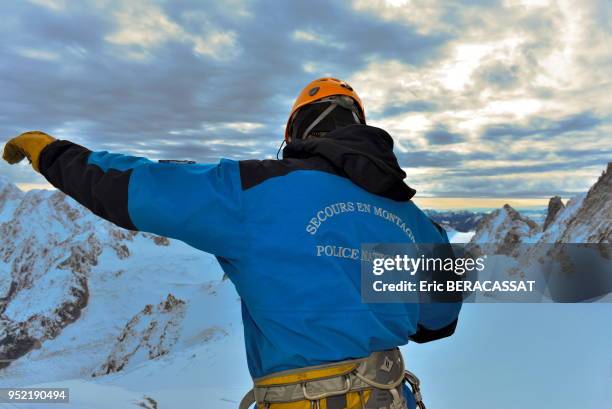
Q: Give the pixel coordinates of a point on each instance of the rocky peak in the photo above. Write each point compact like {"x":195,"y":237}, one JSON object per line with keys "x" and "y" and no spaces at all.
{"x":505,"y":228}
{"x":586,"y":218}
{"x":555,"y":205}
{"x":592,"y":223}
{"x":10,"y":196}
{"x":7,"y":186}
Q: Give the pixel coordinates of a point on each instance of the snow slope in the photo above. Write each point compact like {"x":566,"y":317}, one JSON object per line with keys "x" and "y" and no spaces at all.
{"x":455,"y":236}
{"x":188,"y":356}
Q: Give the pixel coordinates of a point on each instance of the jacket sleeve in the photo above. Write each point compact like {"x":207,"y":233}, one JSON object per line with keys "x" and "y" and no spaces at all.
{"x":197,"y":204}
{"x":437,"y":319}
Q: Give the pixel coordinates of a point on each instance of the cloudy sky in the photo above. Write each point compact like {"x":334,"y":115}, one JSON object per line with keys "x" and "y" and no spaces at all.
{"x":490,"y":100}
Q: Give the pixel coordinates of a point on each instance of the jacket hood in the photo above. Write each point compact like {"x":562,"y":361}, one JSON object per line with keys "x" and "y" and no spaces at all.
{"x":362,"y":153}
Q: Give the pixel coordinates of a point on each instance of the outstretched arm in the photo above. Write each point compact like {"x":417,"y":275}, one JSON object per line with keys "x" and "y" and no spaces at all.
{"x":198,"y":204}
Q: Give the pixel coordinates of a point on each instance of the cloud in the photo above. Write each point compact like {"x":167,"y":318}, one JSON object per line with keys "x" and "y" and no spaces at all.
{"x":482,"y":98}
{"x":55,"y":5}
{"x":142,"y":26}
{"x":38,"y":54}
{"x":309,"y":36}
{"x":244,"y":127}
{"x":423,"y":14}
{"x":544,"y":127}
{"x":441,"y":136}
{"x":498,"y":74}
{"x":216,"y":44}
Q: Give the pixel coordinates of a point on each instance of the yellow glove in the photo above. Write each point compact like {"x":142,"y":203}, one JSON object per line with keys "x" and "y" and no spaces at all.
{"x":27,"y":145}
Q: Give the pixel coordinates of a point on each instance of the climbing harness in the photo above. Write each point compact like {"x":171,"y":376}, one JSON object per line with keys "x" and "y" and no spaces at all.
{"x":374,"y":382}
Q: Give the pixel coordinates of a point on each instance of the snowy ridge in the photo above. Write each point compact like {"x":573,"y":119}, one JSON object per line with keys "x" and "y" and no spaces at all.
{"x":518,"y":247}
{"x":587,"y":218}
{"x":592,"y":222}
{"x":79,"y":296}
{"x":506,"y":228}
{"x":10,"y":197}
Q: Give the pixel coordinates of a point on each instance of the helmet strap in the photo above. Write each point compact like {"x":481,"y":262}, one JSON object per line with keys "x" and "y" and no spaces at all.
{"x":334,"y":102}
{"x":279,"y":149}
{"x":318,"y":119}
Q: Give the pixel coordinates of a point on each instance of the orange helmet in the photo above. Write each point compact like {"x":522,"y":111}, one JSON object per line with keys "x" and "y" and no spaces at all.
{"x":322,"y":88}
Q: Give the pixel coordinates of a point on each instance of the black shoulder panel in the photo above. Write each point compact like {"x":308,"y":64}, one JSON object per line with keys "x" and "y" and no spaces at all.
{"x":64,"y":165}
{"x":437,"y":226}
{"x":426,"y":335}
{"x":254,"y":172}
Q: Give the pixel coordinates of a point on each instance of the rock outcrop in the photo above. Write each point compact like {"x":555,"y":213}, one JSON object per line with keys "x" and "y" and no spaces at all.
{"x":150,"y":334}
{"x":592,"y":222}
{"x":555,"y":205}
{"x":504,"y":229}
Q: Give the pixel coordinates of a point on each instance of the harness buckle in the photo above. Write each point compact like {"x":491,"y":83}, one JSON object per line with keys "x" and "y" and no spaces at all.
{"x":347,"y":388}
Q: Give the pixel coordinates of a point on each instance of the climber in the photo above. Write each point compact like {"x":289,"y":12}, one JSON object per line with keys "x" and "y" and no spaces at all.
{"x":264,"y":221}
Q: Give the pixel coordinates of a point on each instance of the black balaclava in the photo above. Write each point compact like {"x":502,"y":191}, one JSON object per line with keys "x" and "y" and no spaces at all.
{"x":338,"y":118}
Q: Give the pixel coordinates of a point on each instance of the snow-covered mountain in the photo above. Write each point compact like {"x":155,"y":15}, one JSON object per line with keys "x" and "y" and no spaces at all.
{"x":134,"y":319}
{"x":586,"y":218}
{"x":505,"y":228}
{"x":516,"y":246}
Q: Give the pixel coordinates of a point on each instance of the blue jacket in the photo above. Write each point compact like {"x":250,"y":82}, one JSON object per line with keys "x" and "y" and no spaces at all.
{"x":286,"y":232}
